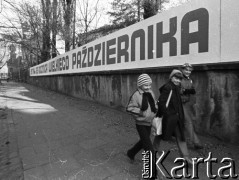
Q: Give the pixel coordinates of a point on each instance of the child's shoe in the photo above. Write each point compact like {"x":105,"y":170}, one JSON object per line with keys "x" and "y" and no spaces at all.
{"x":131,"y":159}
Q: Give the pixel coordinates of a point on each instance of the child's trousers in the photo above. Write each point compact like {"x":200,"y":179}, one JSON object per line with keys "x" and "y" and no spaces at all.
{"x":182,"y":146}
{"x":189,"y":117}
{"x":144,"y":143}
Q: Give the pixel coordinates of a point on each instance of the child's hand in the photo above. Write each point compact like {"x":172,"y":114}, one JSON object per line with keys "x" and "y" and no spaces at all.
{"x":142,"y":113}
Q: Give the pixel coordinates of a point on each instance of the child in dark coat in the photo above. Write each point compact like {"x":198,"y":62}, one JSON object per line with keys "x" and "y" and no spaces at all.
{"x":173,"y":115}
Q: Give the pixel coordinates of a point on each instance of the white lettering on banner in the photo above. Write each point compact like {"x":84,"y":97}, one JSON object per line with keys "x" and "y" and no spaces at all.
{"x":143,"y":45}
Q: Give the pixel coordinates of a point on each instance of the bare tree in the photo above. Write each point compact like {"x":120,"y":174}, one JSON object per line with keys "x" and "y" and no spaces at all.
{"x":46,"y":42}
{"x":55,"y":16}
{"x":31,"y":41}
{"x":32,"y":27}
{"x":88,"y":13}
{"x":138,"y":5}
{"x":24,"y":30}
{"x":68,"y":10}
{"x":3,"y":53}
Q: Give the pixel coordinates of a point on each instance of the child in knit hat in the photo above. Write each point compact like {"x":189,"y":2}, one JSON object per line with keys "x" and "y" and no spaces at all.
{"x":173,"y":114}
{"x":142,"y":106}
{"x":187,"y":93}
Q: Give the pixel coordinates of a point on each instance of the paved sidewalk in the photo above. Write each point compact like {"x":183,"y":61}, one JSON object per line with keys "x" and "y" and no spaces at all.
{"x":53,"y":136}
{"x":63,"y":138}
{"x":10,"y":163}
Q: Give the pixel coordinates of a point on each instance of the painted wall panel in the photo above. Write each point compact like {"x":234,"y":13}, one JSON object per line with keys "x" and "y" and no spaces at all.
{"x":216,"y":105}
{"x":230,"y":30}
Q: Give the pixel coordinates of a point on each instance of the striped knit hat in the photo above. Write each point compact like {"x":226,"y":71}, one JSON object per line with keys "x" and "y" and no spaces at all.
{"x":144,"y":79}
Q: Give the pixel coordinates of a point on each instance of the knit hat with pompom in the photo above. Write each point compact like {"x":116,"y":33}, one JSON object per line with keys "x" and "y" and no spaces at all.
{"x":144,"y":79}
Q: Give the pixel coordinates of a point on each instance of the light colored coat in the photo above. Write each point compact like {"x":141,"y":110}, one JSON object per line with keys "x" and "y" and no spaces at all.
{"x":134,"y":105}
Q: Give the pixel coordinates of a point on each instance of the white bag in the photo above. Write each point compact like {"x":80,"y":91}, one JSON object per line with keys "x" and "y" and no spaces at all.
{"x":157,"y":126}
{"x":157,"y":121}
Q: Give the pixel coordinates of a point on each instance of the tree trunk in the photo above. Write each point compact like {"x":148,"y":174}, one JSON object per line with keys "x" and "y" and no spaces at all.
{"x":138,"y":10}
{"x":46,"y":42}
{"x":68,"y":14}
{"x":54,"y":28}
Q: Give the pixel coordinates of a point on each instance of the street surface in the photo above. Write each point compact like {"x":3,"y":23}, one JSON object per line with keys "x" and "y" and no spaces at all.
{"x":46,"y":135}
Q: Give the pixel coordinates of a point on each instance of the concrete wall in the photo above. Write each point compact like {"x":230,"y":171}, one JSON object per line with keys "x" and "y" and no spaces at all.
{"x":216,"y":103}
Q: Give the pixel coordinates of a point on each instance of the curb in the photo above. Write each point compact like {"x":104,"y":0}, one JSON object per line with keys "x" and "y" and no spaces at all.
{"x":10,"y":164}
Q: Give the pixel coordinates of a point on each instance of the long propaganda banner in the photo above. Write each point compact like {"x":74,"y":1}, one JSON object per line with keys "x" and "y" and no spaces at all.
{"x":192,"y":33}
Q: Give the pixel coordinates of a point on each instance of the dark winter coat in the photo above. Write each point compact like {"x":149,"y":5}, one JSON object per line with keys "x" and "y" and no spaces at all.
{"x":173,"y":115}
